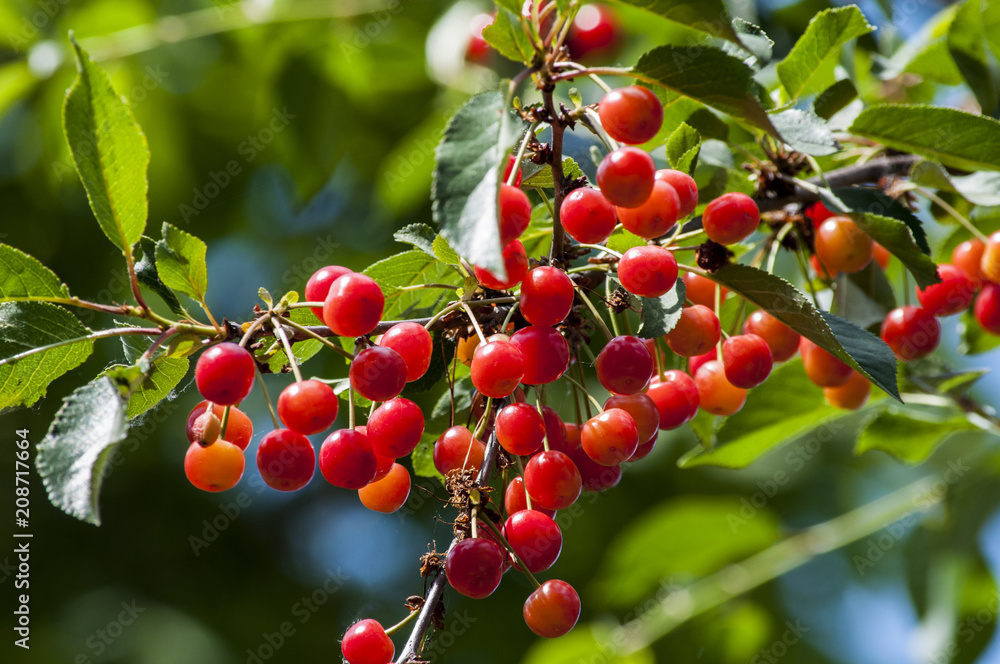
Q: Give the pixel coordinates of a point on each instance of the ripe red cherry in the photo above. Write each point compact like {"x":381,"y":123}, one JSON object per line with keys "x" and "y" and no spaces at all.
{"x":824,"y":272}
{"x":215,"y":467}
{"x":395,"y":428}
{"x":474,"y":567}
{"x":514,"y":212}
{"x":823,"y":368}
{"x":555,"y":431}
{"x":354,"y":305}
{"x":716,"y":394}
{"x":676,"y":398}
{"x":546,"y":296}
{"x":573,"y":435}
{"x":656,"y":215}
{"x":545,"y":352}
{"x":730,"y":218}
{"x":389,"y":493}
{"x":414,"y":344}
{"x":224,"y":373}
{"x":968,"y":257}
{"x":318,"y":286}
{"x":535,"y":537}
{"x":781,"y":339}
{"x":346,"y":459}
{"x":456,"y":448}
{"x":953,"y":295}
{"x":694,"y":363}
{"x":595,"y":34}
{"x":911,"y":332}
{"x":643,"y":410}
{"x":239,"y":428}
{"x":553,"y":609}
{"x":625,"y":177}
{"x":648,"y":271}
{"x":701,"y":290}
{"x":511,"y":163}
{"x":881,"y":255}
{"x":515,"y":499}
{"x":684,"y":185}
{"x":478,"y":49}
{"x":520,"y":429}
{"x":631,"y":115}
{"x":595,"y":477}
{"x":365,"y":642}
{"x":989,"y":264}
{"x":378,"y":373}
{"x":851,"y":395}
{"x":624,"y":366}
{"x":610,"y":438}
{"x":644,"y":449}
{"x":286,"y":460}
{"x":515,"y":261}
{"x":552,"y":480}
{"x":587,"y":216}
{"x":497,"y":368}
{"x":308,"y":407}
{"x":843,"y":247}
{"x":987,"y":308}
{"x":747,"y":360}
{"x":817,"y":213}
{"x":696,"y":332}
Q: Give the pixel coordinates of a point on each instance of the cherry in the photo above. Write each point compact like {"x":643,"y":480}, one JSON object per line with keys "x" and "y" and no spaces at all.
{"x":881,"y":255}
{"x":701,"y":290}
{"x":206,"y":428}
{"x":514,"y":212}
{"x":520,"y":429}
{"x":318,"y":286}
{"x":697,"y":331}
{"x":346,"y":459}
{"x":953,"y":295}
{"x":383,"y":464}
{"x":354,"y":305}
{"x":676,"y":398}
{"x":215,"y":467}
{"x":968,"y":257}
{"x":747,"y":360}
{"x":625,"y":177}
{"x":644,"y":449}
{"x":389,"y":493}
{"x":553,"y":609}
{"x":497,"y":368}
{"x":478,"y":49}
{"x":624,"y":366}
{"x":781,"y":339}
{"x":643,"y":410}
{"x":515,"y":499}
{"x":465,"y":349}
{"x":573,"y":433}
{"x":286,"y":460}
{"x":587,"y":216}
{"x":684,"y":185}
{"x":656,"y":215}
{"x":414,"y":344}
{"x":730,"y":218}
{"x":989,"y":264}
{"x":694,"y":363}
{"x":545,"y":352}
{"x":308,"y":407}
{"x":515,"y":262}
{"x":817,"y":213}
{"x":851,"y":395}
{"x":457,"y":449}
{"x":648,"y":271}
{"x":474,"y":567}
{"x":595,"y":33}
{"x":823,"y":368}
{"x":987,"y":308}
{"x":378,"y":373}
{"x":610,"y":438}
{"x":911,"y":332}
{"x":822,"y":271}
{"x":552,"y":480}
{"x":535,"y":537}
{"x":395,"y":428}
{"x":546,"y":296}
{"x":716,"y":395}
{"x":511,"y":164}
{"x":366,"y":642}
{"x":224,"y":373}
{"x":555,"y":431}
{"x":596,"y":477}
{"x":841,"y":246}
{"x":239,"y":428}
{"x":631,"y":115}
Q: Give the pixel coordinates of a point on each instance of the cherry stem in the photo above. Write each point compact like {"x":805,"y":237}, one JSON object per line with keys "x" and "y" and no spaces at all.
{"x":475,"y":323}
{"x":481,"y":425}
{"x":540,"y":404}
{"x":582,"y":386}
{"x":601,"y":248}
{"x":776,"y":245}
{"x":593,"y":310}
{"x":280,"y":333}
{"x":528,"y":135}
{"x":225,"y":422}
{"x":503,"y":540}
{"x":323,"y":340}
{"x":267,"y":398}
{"x":520,"y":469}
{"x":402,"y":623}
{"x":557,"y":128}
{"x":718,"y":314}
{"x":597,"y":404}
{"x":955,"y":214}
{"x":254,"y":326}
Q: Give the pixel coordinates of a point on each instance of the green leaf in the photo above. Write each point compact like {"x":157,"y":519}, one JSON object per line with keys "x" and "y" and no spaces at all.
{"x":164,"y":374}
{"x":442,"y":352}
{"x":24,"y":278}
{"x":808,"y":68}
{"x":874,"y":202}
{"x":991,"y":26}
{"x":464,"y":392}
{"x":507,"y":36}
{"x":621,"y":240}
{"x":967,"y":45}
{"x":303,"y":350}
{"x":443,"y":251}
{"x":412,"y":268}
{"x":180,"y":262}
{"x":660,"y":314}
{"x":422,"y":458}
{"x":709,"y":16}
{"x":510,"y":5}
{"x":755,"y":41}
{"x":583,"y":645}
{"x":109,"y":151}
{"x":542,"y":178}
{"x":909,"y":437}
{"x":954,"y":138}
{"x":707,"y":75}
{"x":537,"y":237}
{"x":980,"y":188}
{"x":835,"y":98}
{"x":420,"y":236}
{"x":146,"y":274}
{"x":25,"y":326}
{"x":864,"y":297}
{"x":683,"y":148}
{"x":805,"y":132}
{"x":693,"y":535}
{"x":467,"y":178}
{"x":72,"y":456}
{"x":862,"y":350}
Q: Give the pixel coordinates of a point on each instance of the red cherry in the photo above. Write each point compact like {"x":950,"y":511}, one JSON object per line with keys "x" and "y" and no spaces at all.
{"x":520,"y":429}
{"x":346,"y":459}
{"x":625,"y":177}
{"x":716,"y":395}
{"x":648,"y":271}
{"x":881,"y":255}
{"x":511,"y":163}
{"x":657,"y":215}
{"x":414,"y":344}
{"x":474,"y":567}
{"x":365,"y":642}
{"x":354,"y":305}
{"x":644,"y":449}
{"x":911,"y":332}
{"x":395,"y":428}
{"x":224,"y":373}
{"x":596,"y":477}
{"x":318,"y":286}
{"x":843,"y":247}
{"x":610,"y":438}
{"x":697,"y":331}
{"x":624,"y":366}
{"x":730,"y":218}
{"x":546,"y":296}
{"x":642,"y":408}
{"x":515,"y":498}
{"x":545,"y":352}
{"x":695,"y":363}
{"x":987,"y":308}
{"x":215,"y":467}
{"x":553,"y":609}
{"x":239,"y":428}
{"x":781,"y":339}
{"x":457,"y":449}
{"x":515,"y":261}
{"x":286,"y":460}
{"x":747,"y":360}
{"x":823,"y":368}
{"x":552,"y":480}
{"x":497,"y":368}
{"x":631,"y":115}
{"x":968,"y":257}
{"x":378,"y":373}
{"x":587,"y":216}
{"x":555,"y":431}
{"x":852,"y":395}
{"x":701,"y":290}
{"x":514,"y":212}
{"x":684,"y":185}
{"x":308,"y":407}
{"x":676,"y":398}
{"x":535,"y":537}
{"x":595,"y":34}
{"x":953,"y":295}
{"x":389,"y":493}
{"x":817,"y":213}
{"x":989,"y":264}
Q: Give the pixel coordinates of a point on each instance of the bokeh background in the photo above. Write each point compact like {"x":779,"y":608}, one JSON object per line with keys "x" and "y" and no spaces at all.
{"x":294,"y":134}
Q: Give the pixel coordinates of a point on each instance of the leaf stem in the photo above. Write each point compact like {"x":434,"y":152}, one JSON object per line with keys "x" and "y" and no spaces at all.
{"x":955,"y":214}
{"x":102,"y":334}
{"x":593,"y":310}
{"x":503,"y":540}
